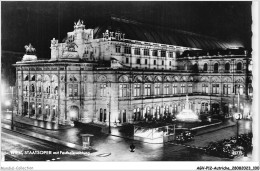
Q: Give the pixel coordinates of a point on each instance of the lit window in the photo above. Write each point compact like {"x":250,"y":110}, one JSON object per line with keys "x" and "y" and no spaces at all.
{"x":146,"y":52}
{"x":174,"y":89}
{"x":189,"y":88}
{"x":127,"y":50}
{"x":157,"y":89}
{"x":226,"y":89}
{"x":215,"y":88}
{"x":182,"y":88}
{"x":147,"y":89}
{"x":170,"y":54}
{"x":166,"y":89}
{"x":137,"y":89}
{"x":70,"y":90}
{"x":103,"y":90}
{"x":123,"y":90}
{"x":205,"y":88}
{"x":175,"y":108}
{"x":155,"y":53}
{"x":137,"y":51}
{"x":75,"y":90}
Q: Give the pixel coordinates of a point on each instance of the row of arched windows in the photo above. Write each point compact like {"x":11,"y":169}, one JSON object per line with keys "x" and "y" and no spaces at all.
{"x":216,"y":67}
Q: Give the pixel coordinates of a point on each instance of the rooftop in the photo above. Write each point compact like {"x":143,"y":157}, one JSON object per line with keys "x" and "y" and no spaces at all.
{"x":150,"y":33}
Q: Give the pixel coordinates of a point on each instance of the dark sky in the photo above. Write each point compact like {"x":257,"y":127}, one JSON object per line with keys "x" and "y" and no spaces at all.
{"x":39,"y":22}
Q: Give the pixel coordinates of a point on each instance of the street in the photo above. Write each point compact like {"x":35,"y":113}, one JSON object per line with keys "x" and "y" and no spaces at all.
{"x":105,"y":144}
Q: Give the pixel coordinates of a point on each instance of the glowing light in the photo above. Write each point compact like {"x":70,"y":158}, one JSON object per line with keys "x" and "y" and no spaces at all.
{"x":8,"y":103}
{"x":187,"y":114}
{"x":238,"y":116}
{"x":73,"y":114}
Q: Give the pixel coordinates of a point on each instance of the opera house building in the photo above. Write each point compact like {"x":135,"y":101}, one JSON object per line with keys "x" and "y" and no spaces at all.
{"x":126,"y":71}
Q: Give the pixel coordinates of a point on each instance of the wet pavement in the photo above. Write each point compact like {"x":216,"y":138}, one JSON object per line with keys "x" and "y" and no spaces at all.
{"x":119,"y":147}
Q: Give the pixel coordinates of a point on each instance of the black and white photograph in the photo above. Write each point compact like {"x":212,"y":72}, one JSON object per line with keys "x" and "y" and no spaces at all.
{"x":128,"y":81}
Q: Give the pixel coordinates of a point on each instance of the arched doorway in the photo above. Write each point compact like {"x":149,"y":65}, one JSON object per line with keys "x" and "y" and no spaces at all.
{"x":101,"y":115}
{"x":124,"y":115}
{"x":215,"y":108}
{"x":47,"y":112}
{"x":54,"y":113}
{"x":32,"y":109}
{"x":157,"y":112}
{"x":74,"y":113}
{"x":25,"y":108}
{"x":105,"y":115}
{"x":137,"y":114}
{"x":39,"y":110}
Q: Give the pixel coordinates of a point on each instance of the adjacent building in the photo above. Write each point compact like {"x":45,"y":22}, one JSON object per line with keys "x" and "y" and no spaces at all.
{"x":131,"y":71}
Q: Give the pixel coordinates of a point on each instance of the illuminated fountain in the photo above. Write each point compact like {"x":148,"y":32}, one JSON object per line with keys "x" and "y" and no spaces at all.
{"x":187,"y":115}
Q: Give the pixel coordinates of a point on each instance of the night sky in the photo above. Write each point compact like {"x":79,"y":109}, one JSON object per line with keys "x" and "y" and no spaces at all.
{"x":39,"y":22}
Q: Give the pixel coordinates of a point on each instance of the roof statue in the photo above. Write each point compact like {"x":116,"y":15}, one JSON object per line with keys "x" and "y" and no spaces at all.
{"x":29,"y":49}
{"x":70,"y":44}
{"x":79,"y":24}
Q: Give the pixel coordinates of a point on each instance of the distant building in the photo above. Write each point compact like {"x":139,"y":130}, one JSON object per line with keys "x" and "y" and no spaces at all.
{"x":133,"y":72}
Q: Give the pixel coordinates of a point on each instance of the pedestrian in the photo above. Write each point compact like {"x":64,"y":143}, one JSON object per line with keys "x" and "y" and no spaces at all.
{"x":132,"y":148}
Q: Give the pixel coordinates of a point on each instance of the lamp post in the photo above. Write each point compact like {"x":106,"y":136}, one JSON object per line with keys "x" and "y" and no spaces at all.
{"x":240,"y":91}
{"x":238,"y":116}
{"x":12,"y":103}
{"x":109,"y":105}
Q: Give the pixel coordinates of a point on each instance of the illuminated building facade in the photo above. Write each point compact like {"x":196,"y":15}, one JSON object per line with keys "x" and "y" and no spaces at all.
{"x":132,"y":72}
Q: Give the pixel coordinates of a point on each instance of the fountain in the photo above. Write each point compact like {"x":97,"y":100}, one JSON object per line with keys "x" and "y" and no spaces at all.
{"x":187,"y":115}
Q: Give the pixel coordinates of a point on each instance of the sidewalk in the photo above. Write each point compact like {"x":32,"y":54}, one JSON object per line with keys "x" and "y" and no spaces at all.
{"x":72,"y":134}
{"x":40,"y":124}
{"x":118,"y":144}
{"x":43,"y":137}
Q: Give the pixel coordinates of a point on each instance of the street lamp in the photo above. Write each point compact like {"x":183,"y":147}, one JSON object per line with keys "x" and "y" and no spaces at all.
{"x":238,"y":116}
{"x":109,"y":106}
{"x":12,"y":120}
{"x":240,"y":91}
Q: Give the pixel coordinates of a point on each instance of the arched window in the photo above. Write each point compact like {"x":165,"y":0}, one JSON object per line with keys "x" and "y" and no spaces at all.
{"x":205,"y":67}
{"x":239,"y":66}
{"x":32,"y":88}
{"x":56,"y":90}
{"x":26,"y":78}
{"x":195,"y":68}
{"x":227,"y":67}
{"x":33,"y":78}
{"x":216,"y":67}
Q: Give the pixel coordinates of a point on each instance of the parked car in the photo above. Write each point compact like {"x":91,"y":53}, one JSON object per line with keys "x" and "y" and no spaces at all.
{"x":184,"y":136}
{"x":232,"y":147}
